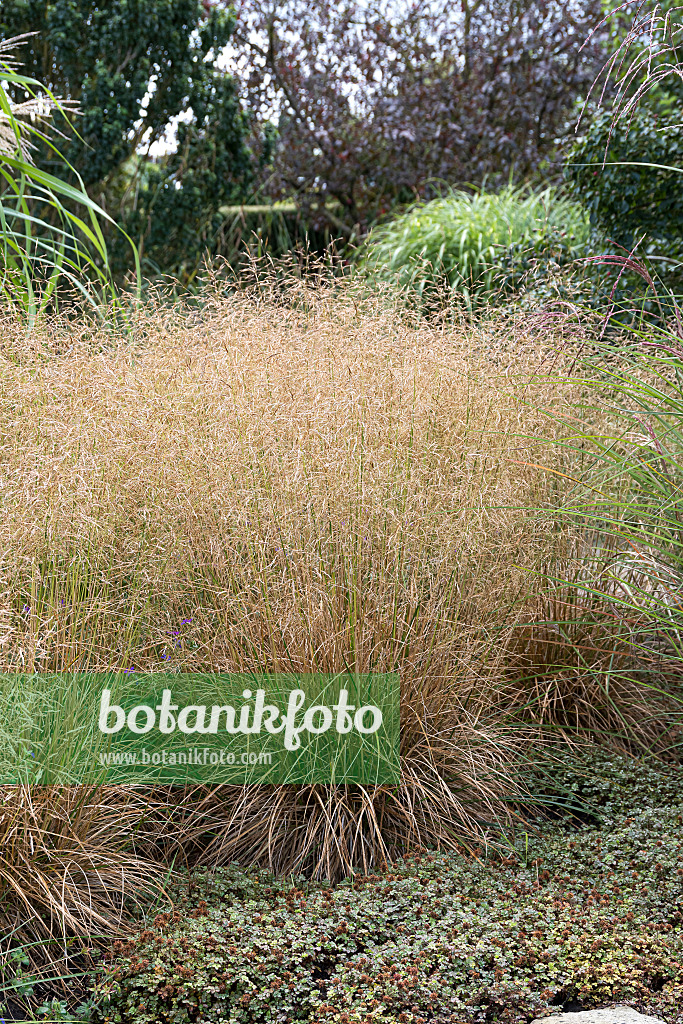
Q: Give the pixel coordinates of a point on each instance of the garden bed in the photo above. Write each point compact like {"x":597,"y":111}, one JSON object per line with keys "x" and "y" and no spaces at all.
{"x":574,"y":918}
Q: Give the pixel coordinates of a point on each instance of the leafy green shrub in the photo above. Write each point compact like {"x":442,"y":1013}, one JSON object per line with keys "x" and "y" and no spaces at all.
{"x":459,"y":244}
{"x":567,"y":918}
{"x":638,"y":193}
{"x":628,"y":174}
{"x":138,"y":67}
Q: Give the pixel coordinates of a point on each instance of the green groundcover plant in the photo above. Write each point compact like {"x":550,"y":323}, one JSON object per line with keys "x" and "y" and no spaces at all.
{"x":571,"y":918}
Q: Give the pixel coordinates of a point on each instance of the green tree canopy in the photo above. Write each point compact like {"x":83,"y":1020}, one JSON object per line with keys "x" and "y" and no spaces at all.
{"x":133,"y":67}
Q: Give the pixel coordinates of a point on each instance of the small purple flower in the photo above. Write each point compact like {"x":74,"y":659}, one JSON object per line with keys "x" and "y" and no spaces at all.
{"x":131,"y":669}
{"x":185,"y":621}
{"x":27,"y":607}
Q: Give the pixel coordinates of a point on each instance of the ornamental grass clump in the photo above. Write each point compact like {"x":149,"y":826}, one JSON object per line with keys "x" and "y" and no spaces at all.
{"x":466,"y":248}
{"x":303,"y":480}
{"x":69,"y":879}
{"x":628,"y":500}
{"x":313,"y":488}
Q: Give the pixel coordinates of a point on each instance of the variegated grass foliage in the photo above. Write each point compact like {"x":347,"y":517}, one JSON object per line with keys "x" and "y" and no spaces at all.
{"x":51,"y":231}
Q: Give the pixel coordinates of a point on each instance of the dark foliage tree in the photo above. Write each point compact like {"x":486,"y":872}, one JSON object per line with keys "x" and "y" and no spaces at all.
{"x":373,"y":103}
{"x":133,"y":67}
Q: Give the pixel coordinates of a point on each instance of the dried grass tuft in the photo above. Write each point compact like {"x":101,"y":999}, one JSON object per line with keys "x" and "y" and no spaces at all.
{"x":68,"y":876}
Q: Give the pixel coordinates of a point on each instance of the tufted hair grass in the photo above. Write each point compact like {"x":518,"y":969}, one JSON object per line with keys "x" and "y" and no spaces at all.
{"x":296,"y":478}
